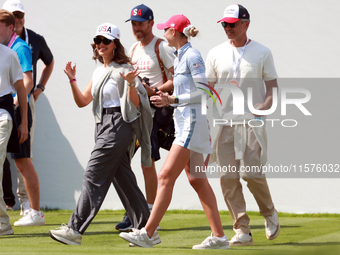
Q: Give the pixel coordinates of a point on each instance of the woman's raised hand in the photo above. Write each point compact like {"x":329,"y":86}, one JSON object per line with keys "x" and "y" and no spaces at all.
{"x":70,"y":71}
{"x":130,"y":76}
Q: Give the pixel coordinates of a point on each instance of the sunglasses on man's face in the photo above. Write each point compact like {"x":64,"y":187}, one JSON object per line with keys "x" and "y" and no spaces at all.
{"x":98,"y":40}
{"x":19,"y":15}
{"x":225,"y":24}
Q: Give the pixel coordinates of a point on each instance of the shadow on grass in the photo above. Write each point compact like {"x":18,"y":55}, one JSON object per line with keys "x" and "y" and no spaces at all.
{"x":105,"y":222}
{"x":28,"y":235}
{"x":228,"y":227}
{"x":308,"y":244}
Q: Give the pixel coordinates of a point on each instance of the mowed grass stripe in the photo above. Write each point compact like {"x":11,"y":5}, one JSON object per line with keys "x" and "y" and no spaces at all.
{"x":180,"y":231}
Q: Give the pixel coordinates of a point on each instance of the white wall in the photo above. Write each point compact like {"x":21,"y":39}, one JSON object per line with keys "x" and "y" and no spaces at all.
{"x":303,"y":38}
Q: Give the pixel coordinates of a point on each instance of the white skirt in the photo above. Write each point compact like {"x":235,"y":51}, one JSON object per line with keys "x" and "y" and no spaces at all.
{"x":192,"y":129}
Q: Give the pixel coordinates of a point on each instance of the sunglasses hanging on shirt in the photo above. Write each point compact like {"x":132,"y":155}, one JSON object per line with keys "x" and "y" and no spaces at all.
{"x":98,"y":40}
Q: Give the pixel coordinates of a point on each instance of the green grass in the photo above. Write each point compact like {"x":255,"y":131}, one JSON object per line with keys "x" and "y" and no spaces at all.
{"x":300,"y":234}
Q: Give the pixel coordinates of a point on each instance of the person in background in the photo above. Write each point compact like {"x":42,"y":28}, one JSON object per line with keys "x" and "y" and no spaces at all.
{"x":244,"y":63}
{"x":22,"y":160}
{"x":143,"y":55}
{"x":11,"y":80}
{"x":40,"y":50}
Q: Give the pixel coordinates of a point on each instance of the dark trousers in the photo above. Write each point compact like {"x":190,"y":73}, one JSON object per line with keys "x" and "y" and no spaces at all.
{"x":7,"y":185}
{"x":110,"y":163}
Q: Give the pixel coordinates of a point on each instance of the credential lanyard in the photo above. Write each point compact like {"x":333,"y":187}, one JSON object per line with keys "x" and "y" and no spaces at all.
{"x":236,"y":65}
{"x":11,"y":42}
{"x":26,"y":36}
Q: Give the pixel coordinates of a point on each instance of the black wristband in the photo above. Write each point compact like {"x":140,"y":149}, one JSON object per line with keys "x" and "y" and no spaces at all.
{"x":176,"y":100}
{"x":156,"y":90}
{"x":41,"y":87}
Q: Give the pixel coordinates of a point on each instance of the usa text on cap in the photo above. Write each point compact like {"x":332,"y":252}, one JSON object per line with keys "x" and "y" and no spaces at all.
{"x":141,"y":13}
{"x":109,"y":31}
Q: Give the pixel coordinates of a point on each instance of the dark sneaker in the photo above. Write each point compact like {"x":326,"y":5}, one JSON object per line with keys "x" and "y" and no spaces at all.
{"x":125,"y":225}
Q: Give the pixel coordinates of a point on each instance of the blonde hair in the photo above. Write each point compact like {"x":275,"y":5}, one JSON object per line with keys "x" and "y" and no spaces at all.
{"x":190,"y":31}
{"x":193,"y":31}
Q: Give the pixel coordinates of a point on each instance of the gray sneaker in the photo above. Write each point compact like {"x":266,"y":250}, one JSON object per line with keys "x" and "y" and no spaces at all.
{"x":6,"y":231}
{"x":66,"y":235}
{"x":140,"y":238}
{"x":212,"y":242}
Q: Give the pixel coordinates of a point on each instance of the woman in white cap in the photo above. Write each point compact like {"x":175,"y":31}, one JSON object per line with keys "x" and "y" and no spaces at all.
{"x":192,"y":138}
{"x":122,"y":112}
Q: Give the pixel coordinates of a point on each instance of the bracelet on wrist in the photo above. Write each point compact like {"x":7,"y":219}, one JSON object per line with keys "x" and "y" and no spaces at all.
{"x":156,"y":90}
{"x":132,"y":84}
{"x":176,"y":100}
{"x":73,"y":80}
{"x":41,"y":87}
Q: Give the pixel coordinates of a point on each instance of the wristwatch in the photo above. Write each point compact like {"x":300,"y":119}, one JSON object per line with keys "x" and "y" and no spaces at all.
{"x":176,"y":100}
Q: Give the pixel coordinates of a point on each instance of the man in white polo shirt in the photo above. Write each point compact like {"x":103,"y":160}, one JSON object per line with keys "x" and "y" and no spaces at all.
{"x":243,"y":63}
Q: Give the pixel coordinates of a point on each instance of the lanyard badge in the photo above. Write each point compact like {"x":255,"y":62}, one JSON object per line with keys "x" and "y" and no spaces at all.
{"x":11,"y":42}
{"x":237,"y":64}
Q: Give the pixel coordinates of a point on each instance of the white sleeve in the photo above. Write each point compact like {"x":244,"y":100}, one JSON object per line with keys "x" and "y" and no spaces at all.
{"x":209,"y":68}
{"x":195,"y":97}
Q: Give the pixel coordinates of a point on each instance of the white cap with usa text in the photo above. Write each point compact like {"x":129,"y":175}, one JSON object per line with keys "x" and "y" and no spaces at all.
{"x":109,"y":31}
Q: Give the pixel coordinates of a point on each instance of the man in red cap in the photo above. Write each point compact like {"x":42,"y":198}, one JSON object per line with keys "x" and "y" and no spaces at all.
{"x":243,"y":63}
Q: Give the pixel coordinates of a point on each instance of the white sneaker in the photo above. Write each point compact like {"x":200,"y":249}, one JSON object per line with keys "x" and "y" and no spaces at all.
{"x":25,"y":207}
{"x":272,"y":226}
{"x":212,"y":242}
{"x":241,"y":240}
{"x":32,"y":218}
{"x":6,"y":231}
{"x":66,"y":235}
{"x":140,"y":238}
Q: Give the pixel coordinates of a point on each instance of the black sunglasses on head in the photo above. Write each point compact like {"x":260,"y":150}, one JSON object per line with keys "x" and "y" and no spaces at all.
{"x":19,"y":15}
{"x":98,"y":40}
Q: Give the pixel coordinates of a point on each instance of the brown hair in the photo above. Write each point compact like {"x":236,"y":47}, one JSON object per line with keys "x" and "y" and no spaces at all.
{"x":7,"y":18}
{"x":119,"y":55}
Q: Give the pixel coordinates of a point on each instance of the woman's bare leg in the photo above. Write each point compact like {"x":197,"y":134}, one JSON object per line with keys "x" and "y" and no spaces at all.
{"x":205,"y":193}
{"x":175,"y":162}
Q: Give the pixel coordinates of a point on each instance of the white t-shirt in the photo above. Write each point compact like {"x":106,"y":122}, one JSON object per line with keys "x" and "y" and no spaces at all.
{"x":110,"y":89}
{"x":10,"y":73}
{"x":146,"y":60}
{"x":256,"y":66}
